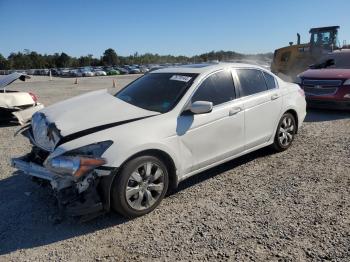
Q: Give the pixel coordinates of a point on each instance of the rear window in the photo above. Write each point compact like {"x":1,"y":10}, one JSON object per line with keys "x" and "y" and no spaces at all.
{"x":270,"y":81}
{"x":252,"y":81}
{"x":338,"y":60}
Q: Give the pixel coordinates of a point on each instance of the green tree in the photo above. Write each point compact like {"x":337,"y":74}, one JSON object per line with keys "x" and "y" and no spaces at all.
{"x":4,"y":64}
{"x":37,"y":60}
{"x":85,"y":60}
{"x":96,"y":62}
{"x":110,"y":57}
{"x":19,"y":61}
{"x":63,"y":60}
{"x":31,"y":59}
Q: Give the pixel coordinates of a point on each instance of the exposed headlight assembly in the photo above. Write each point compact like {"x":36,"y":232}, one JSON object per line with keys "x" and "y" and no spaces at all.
{"x":79,"y":162}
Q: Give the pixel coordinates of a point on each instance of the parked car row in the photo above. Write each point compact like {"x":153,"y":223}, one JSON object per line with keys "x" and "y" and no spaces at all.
{"x":91,"y":71}
{"x":84,"y":71}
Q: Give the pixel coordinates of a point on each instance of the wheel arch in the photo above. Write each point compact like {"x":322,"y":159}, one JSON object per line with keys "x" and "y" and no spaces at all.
{"x":165,"y":157}
{"x":295,"y":115}
{"x":106,"y":183}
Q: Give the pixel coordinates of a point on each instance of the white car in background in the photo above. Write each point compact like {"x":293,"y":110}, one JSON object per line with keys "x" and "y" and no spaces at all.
{"x":123,"y":151}
{"x":100,"y":72}
{"x":87,"y":72}
{"x":21,"y":105}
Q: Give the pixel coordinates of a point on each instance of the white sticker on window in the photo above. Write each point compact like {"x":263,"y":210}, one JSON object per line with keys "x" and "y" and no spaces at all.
{"x":180,"y":78}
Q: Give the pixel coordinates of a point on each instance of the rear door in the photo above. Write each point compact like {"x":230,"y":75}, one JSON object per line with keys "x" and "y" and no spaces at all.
{"x":216,"y":135}
{"x":262,"y":105}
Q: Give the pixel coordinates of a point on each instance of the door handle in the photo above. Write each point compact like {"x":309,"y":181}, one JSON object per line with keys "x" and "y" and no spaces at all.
{"x":234,"y":110}
{"x":274,"y":96}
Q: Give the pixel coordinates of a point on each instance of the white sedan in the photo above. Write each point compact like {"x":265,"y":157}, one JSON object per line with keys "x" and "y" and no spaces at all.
{"x":21,"y":105}
{"x":124,"y":151}
{"x":100,"y":73}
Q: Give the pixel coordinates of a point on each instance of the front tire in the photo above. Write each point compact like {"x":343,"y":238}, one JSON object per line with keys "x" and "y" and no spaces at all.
{"x":285,"y":132}
{"x":140,"y":186}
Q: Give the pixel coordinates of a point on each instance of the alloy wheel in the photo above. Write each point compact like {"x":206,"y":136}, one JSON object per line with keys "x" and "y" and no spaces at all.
{"x":145,"y":185}
{"x":286,"y":131}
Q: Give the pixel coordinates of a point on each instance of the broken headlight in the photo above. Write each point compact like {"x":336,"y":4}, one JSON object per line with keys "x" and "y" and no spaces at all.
{"x":79,"y":162}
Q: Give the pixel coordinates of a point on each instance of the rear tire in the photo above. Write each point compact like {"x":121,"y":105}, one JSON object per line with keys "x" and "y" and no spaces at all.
{"x":140,"y":186}
{"x":285,"y":132}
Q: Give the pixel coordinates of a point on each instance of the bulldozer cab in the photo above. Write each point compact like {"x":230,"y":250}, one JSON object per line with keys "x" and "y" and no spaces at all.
{"x":323,"y":39}
{"x":291,"y":60}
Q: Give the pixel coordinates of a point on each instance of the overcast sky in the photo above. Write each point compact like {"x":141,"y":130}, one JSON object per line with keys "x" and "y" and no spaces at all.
{"x":165,"y":27}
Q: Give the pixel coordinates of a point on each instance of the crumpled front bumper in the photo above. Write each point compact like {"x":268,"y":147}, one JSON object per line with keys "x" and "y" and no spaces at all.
{"x":32,"y":169}
{"x":29,"y":168}
{"x":70,"y":200}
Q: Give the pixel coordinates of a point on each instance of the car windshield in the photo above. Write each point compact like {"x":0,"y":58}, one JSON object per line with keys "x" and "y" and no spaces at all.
{"x":158,"y":92}
{"x":340,"y":60}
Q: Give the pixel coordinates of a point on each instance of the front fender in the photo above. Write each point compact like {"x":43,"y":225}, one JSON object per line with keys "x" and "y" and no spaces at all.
{"x":122,"y":149}
{"x":116,"y":157}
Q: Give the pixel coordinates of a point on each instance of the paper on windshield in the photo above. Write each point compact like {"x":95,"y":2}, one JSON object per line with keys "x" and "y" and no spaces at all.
{"x":180,"y":78}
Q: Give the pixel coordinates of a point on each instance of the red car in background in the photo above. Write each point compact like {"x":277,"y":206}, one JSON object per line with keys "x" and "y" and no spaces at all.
{"x":327,"y":84}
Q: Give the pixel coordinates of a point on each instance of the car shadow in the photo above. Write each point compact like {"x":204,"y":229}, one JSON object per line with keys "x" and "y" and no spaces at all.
{"x":322,"y":115}
{"x":27,"y":209}
{"x":27,"y":212}
{"x":9,"y":123}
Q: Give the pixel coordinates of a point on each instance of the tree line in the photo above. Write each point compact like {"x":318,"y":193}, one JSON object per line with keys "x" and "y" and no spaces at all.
{"x":33,"y":60}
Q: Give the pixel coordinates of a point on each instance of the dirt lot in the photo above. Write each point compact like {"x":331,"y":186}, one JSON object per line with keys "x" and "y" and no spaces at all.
{"x":290,"y":206}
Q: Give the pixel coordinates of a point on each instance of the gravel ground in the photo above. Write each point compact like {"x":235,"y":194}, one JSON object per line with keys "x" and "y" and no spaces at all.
{"x":291,"y":206}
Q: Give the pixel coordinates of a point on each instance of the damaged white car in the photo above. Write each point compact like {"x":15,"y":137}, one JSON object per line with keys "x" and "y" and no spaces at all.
{"x":124,"y":150}
{"x":15,"y":104}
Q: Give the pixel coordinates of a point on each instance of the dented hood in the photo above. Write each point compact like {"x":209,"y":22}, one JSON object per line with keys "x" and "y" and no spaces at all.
{"x":92,"y":110}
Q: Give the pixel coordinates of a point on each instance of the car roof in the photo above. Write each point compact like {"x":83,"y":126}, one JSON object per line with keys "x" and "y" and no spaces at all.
{"x":321,"y":29}
{"x":203,"y":68}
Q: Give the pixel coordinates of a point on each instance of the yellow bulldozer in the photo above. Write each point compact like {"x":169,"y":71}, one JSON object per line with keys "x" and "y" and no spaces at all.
{"x":291,"y":60}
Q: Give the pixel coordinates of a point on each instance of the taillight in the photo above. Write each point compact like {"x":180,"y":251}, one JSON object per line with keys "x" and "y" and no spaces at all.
{"x":301,"y":92}
{"x":34,"y":97}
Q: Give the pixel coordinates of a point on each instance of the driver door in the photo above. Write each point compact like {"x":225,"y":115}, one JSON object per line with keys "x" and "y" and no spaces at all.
{"x":214,"y":136}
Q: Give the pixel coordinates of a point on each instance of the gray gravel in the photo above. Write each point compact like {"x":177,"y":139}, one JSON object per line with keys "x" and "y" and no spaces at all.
{"x":289,"y":206}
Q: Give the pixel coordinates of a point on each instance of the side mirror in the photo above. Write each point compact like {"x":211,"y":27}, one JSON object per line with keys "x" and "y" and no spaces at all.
{"x":201,"y":107}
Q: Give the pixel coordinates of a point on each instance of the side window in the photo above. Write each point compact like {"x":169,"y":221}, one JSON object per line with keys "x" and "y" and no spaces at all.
{"x":217,"y":88}
{"x":252,"y":81}
{"x":270,"y":81}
